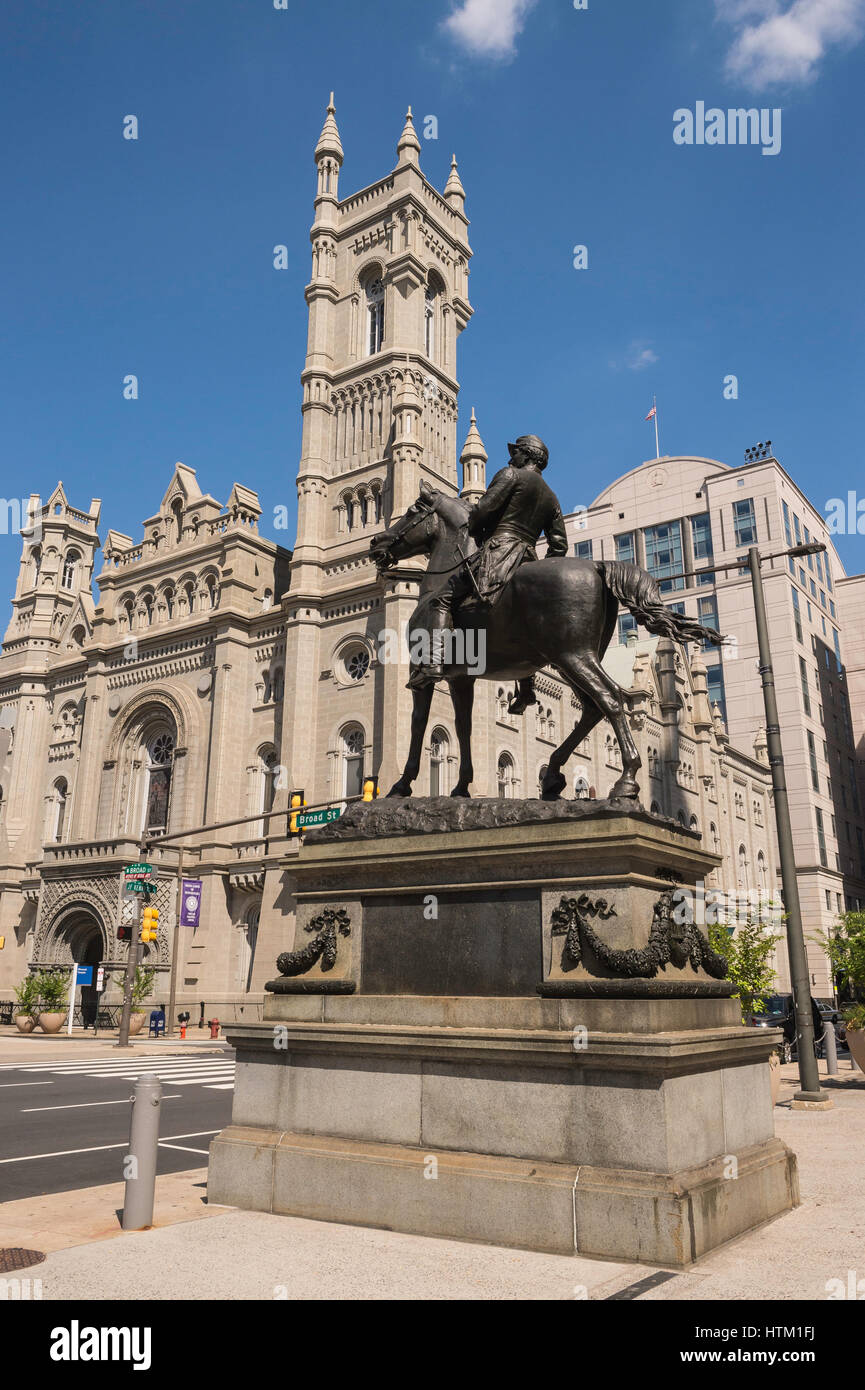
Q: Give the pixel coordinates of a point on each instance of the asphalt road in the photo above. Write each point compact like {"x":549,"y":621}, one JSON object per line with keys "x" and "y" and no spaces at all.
{"x":64,"y":1124}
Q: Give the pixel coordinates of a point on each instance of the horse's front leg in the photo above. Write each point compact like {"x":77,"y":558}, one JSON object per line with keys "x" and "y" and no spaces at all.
{"x":422,"y":701}
{"x":463,"y":697}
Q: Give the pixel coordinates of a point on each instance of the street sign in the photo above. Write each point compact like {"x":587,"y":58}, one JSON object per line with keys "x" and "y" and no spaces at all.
{"x":100,"y":979}
{"x":137,"y":885}
{"x":190,"y":902}
{"x":84,"y":975}
{"x":137,"y":871}
{"x":307,"y":820}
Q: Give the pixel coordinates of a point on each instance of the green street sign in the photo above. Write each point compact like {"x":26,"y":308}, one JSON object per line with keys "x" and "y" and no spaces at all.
{"x":138,"y":871}
{"x":308,"y":820}
{"x":136,"y":886}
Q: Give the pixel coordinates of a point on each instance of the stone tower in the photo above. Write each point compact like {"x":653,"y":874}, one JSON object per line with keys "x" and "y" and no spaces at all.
{"x":387,"y":301}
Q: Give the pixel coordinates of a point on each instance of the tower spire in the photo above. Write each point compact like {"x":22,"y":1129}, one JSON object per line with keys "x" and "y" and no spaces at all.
{"x":408,"y":149}
{"x":454,"y":192}
{"x":329,"y":144}
{"x":474,"y":461}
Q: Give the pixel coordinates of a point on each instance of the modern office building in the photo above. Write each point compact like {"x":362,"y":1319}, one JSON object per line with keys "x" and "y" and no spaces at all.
{"x":680,"y":516}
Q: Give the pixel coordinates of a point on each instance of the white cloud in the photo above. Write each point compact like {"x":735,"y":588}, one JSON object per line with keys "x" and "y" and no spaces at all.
{"x":785,"y":42}
{"x":488,"y":28}
{"x":640,"y":356}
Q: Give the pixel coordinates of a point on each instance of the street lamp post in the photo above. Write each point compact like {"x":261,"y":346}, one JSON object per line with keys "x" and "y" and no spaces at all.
{"x":810,"y":1093}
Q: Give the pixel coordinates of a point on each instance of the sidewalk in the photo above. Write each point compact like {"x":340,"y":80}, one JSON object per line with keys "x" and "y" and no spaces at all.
{"x":19,"y":1049}
{"x":239,"y":1255}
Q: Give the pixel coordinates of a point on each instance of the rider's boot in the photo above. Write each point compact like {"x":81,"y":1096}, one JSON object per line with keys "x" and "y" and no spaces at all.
{"x":433,"y":670}
{"x":524,"y":697}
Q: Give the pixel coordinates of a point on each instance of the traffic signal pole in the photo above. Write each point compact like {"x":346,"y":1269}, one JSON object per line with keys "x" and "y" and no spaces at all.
{"x":131,"y":963}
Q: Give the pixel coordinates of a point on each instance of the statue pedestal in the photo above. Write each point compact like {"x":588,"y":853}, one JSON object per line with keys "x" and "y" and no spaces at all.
{"x":499,"y":1033}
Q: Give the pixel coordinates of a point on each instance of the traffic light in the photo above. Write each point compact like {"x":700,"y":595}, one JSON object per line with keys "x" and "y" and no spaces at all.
{"x":124,"y":932}
{"x":149,"y":923}
{"x":297,"y":802}
{"x":370,"y":788}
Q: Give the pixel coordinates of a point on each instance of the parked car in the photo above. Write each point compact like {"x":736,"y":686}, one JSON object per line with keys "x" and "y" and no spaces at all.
{"x":779,"y":1013}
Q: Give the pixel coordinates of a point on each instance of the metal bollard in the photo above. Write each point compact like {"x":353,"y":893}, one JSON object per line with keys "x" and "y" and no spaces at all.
{"x":141,"y":1159}
{"x":830,"y":1042}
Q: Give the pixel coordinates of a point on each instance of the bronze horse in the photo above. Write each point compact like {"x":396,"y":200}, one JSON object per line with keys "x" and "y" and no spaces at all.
{"x":558,"y":613}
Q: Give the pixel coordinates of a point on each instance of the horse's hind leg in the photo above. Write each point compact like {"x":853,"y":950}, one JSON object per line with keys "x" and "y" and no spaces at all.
{"x":586,"y":674}
{"x":554,"y":781}
{"x":421,"y":703}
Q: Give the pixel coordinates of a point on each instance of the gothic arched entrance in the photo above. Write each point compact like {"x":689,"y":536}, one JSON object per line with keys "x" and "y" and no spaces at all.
{"x":78,"y":938}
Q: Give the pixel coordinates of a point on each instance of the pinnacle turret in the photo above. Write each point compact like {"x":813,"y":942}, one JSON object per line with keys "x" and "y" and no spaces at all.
{"x":408,"y":149}
{"x":329,"y":143}
{"x":454,"y":192}
{"x":474,"y":461}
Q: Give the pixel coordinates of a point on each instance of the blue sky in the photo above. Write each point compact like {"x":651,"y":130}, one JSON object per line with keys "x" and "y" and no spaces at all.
{"x":154,"y":256}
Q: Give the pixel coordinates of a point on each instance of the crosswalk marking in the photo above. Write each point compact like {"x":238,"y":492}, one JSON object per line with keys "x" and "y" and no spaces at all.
{"x":213,"y":1071}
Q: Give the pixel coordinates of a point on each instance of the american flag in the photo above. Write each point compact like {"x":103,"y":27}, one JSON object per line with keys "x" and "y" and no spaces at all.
{"x":652,"y":413}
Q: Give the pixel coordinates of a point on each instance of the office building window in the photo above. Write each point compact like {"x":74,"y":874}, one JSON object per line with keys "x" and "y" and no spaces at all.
{"x":583,"y":550}
{"x":810,"y":558}
{"x":812,"y":758}
{"x":837,"y":650}
{"x":627,"y":623}
{"x":797,"y":529}
{"x":708,"y":611}
{"x":821,"y":838}
{"x":715,"y":683}
{"x":803,"y":675}
{"x":797,"y":616}
{"x":664,"y":555}
{"x":744,"y":521}
{"x":701,"y":537}
{"x":787,"y":528}
{"x":625,"y":548}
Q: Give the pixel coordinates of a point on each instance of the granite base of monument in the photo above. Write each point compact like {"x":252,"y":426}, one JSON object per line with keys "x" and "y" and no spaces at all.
{"x":501,"y":1032}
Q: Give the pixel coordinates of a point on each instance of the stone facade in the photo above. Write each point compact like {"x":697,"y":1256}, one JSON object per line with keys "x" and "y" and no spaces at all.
{"x":218,"y":672}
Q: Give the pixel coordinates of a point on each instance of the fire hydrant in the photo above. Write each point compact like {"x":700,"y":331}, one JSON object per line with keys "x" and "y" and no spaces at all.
{"x":182,"y":1030}
{"x":214,"y":1027}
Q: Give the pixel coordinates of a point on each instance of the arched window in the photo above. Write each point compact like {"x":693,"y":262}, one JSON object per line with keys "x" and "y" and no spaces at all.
{"x":169,"y":603}
{"x":680,"y":817}
{"x":77,"y":635}
{"x":742,"y":868}
{"x":654,"y":809}
{"x":581,"y":788}
{"x":147,"y":604}
{"x":692,"y":824}
{"x":716,"y":839}
{"x":248,"y":941}
{"x":505,"y":776}
{"x":350,"y":513}
{"x":60,"y":800}
{"x":438,"y":761}
{"x":541,"y":775}
{"x":352,"y":741}
{"x":270,"y":781}
{"x":189,"y":595}
{"x":376,"y":499}
{"x":375,"y":315}
{"x":429,"y":322}
{"x":762,"y":875}
{"x":160,"y":761}
{"x":35,"y":565}
{"x":210,"y":591}
{"x":276,"y":685}
{"x":67,"y":580}
{"x":177,"y":513}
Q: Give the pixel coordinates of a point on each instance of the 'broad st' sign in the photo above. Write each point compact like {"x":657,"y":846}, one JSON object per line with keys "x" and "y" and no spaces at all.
{"x":307,"y":820}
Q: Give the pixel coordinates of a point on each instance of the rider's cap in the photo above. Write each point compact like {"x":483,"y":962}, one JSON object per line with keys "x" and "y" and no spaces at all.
{"x":531,"y":444}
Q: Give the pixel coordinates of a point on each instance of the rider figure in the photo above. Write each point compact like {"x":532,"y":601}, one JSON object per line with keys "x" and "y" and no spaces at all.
{"x":517,"y":508}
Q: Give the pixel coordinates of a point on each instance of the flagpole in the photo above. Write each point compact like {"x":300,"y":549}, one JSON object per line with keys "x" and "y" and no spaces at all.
{"x":657,"y":443}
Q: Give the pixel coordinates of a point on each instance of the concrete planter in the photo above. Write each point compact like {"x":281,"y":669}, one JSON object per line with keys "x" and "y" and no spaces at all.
{"x":25,"y":1023}
{"x":856,"y":1044}
{"x":52,"y":1022}
{"x":136,"y":1022}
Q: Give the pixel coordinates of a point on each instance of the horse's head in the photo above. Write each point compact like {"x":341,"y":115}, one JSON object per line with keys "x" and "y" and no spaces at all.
{"x":413,"y":534}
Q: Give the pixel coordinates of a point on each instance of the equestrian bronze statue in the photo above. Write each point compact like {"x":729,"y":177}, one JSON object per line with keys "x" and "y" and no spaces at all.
{"x":485,"y":591}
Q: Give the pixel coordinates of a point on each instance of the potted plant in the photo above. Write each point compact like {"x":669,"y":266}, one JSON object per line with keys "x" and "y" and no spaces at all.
{"x":854,"y":1020}
{"x":27,"y":994}
{"x":748,"y":951}
{"x":53,"y":992}
{"x":142,"y":985}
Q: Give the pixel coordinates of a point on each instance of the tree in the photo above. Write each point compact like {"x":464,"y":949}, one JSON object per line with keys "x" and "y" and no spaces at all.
{"x":748,"y":953}
{"x":845,"y":948}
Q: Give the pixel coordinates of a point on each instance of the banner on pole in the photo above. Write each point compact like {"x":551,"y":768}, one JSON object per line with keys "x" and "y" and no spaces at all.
{"x":190,"y":902}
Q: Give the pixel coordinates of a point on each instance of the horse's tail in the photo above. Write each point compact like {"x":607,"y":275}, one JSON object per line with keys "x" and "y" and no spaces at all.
{"x":639,"y":592}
